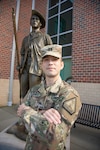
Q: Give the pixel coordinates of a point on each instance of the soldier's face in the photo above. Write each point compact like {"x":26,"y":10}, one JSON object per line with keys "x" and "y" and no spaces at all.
{"x":35,"y":21}
{"x":52,"y":66}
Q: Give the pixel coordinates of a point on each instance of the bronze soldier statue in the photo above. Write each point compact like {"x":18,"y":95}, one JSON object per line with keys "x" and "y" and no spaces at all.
{"x":30,"y":71}
{"x":31,"y":53}
{"x":51,"y":107}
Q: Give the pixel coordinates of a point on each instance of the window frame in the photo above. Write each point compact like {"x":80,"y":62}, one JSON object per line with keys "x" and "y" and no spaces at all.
{"x":58,"y":30}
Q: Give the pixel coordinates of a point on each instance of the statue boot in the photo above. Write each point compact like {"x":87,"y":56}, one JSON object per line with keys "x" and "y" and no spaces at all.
{"x":19,"y":131}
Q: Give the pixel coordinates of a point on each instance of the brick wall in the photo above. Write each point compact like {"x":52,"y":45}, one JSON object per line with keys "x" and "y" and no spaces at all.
{"x":86,"y":41}
{"x":6,"y":32}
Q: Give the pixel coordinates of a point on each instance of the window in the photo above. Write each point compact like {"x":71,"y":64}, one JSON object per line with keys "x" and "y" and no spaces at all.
{"x":53,"y":26}
{"x":60,"y":24}
{"x":53,"y":2}
{"x":66,"y":21}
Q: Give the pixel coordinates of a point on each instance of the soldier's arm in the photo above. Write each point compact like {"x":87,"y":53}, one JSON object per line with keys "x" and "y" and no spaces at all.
{"x":53,"y":116}
{"x":25,"y":105}
{"x":71,"y":106}
{"x":22,"y":108}
{"x":68,"y":111}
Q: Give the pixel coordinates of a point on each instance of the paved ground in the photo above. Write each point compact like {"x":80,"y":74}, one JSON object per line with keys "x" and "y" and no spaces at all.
{"x":7,"y":116}
{"x":85,"y":138}
{"x":82,"y":137}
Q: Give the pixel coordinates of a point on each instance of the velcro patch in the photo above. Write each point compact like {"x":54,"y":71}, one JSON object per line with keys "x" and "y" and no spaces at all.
{"x":70,"y":105}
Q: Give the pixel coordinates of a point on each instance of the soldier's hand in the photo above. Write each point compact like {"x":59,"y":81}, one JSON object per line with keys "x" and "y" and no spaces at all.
{"x":53,"y":116}
{"x":21,"y":109}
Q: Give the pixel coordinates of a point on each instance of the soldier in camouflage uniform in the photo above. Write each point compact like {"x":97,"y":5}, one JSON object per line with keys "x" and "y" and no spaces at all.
{"x":50,"y":108}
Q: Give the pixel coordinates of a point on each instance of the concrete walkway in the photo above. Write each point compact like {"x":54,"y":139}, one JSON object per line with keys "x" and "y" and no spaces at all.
{"x":82,"y":137}
{"x":85,"y":138}
{"x":7,"y":116}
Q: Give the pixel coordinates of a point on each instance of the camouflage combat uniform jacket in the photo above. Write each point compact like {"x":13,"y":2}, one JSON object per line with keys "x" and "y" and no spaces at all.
{"x":43,"y":135}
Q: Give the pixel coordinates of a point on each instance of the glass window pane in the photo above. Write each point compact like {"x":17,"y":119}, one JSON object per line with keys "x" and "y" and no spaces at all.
{"x":54,"y":40}
{"x":53,"y":2}
{"x":68,"y":0}
{"x":53,"y":11}
{"x":65,"y":38}
{"x":67,"y":51}
{"x":66,"y":21}
{"x":66,"y":5}
{"x":53,"y":26}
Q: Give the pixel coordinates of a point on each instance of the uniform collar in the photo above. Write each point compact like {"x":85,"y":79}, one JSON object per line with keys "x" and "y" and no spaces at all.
{"x":53,"y":89}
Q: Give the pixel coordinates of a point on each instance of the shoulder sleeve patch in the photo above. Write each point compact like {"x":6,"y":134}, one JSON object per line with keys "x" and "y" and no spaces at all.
{"x":70,"y":105}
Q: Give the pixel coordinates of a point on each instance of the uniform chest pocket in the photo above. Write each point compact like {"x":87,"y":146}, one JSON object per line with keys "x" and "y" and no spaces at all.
{"x":57,"y":101}
{"x":41,"y":103}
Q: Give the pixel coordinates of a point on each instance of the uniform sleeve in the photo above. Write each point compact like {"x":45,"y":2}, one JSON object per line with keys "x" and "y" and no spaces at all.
{"x":28,"y":113}
{"x":71,"y":106}
{"x":27,"y":98}
{"x":34,"y":121}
